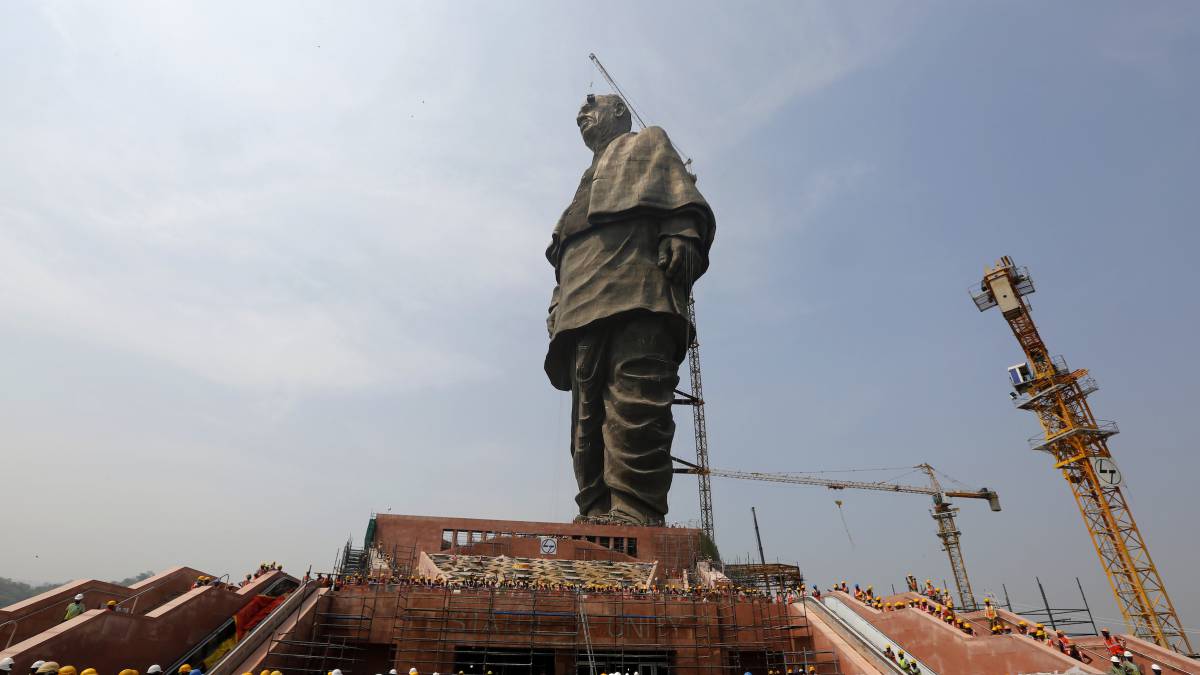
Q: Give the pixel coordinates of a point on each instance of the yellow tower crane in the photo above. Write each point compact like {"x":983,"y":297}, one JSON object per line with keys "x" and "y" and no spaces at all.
{"x":943,"y":511}
{"x":1079,"y":445}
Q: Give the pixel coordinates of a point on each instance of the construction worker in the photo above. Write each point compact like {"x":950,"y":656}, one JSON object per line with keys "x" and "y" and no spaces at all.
{"x":887,"y":651}
{"x":185,"y":669}
{"x":1155,"y":668}
{"x":1116,"y":668}
{"x":33,"y":668}
{"x":1113,"y":644}
{"x":111,"y":605}
{"x":1127,"y":663}
{"x":1063,"y":642}
{"x":48,"y":668}
{"x":6,"y":664}
{"x":75,"y":608}
{"x":901,"y":660}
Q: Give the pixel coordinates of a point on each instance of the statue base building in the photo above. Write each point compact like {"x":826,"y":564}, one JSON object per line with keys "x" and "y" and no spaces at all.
{"x":502,"y":597}
{"x":451,"y":595}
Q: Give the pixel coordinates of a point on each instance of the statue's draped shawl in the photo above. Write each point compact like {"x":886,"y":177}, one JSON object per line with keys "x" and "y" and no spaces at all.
{"x":639,"y":174}
{"x":636,"y":192}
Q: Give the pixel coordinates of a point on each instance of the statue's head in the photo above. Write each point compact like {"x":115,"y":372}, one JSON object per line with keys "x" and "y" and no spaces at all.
{"x":603,"y":118}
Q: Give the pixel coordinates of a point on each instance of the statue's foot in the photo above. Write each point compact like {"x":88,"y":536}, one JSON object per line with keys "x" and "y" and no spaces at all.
{"x":590,"y":519}
{"x":619,"y":517}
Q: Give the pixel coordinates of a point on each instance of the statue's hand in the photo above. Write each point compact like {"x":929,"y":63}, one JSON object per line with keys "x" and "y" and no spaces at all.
{"x":679,"y":257}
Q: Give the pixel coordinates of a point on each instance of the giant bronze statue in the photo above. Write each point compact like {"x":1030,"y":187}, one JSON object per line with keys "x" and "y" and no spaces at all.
{"x":625,"y":254}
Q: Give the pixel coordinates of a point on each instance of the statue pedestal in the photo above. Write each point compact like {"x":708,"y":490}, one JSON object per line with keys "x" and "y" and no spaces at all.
{"x":404,"y":538}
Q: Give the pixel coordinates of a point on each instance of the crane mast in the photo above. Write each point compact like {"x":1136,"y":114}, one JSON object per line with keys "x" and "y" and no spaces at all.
{"x":943,"y":514}
{"x":699,"y":425}
{"x":1078,"y":442}
{"x":942,"y":511}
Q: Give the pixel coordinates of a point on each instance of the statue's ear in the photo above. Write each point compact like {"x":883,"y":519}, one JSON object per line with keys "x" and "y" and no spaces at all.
{"x":619,"y":108}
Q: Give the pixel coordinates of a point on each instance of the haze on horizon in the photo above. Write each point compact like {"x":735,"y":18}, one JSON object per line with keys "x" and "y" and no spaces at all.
{"x":268,"y":268}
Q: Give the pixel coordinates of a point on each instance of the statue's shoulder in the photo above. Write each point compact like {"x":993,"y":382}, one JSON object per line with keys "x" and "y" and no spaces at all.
{"x":652,"y":136}
{"x":646,"y":144}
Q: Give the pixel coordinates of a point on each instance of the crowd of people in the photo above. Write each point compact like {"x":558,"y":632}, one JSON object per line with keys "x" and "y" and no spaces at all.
{"x":342,"y":581}
{"x":938,"y":603}
{"x":53,"y":668}
{"x":263,"y":568}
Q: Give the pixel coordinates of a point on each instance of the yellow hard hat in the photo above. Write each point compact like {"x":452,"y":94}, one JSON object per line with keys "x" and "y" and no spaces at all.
{"x":265,"y":672}
{"x":128,"y":671}
{"x":111,"y":603}
{"x":276,"y":672}
{"x":67,"y":670}
{"x":185,"y":668}
{"x":88,"y":671}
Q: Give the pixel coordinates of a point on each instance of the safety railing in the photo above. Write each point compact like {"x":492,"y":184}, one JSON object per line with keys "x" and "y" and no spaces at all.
{"x":14,"y":623}
{"x":1103,"y":429}
{"x":132,"y":609}
{"x":866,"y":631}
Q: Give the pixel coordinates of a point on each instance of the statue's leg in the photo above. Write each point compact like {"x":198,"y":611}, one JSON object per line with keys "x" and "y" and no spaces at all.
{"x":587,"y":417}
{"x":638,"y":426}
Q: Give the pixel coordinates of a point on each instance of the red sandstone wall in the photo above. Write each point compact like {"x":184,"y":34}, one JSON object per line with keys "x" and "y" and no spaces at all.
{"x":44,"y":611}
{"x":110,"y":641}
{"x":673,"y":547}
{"x":825,"y":639}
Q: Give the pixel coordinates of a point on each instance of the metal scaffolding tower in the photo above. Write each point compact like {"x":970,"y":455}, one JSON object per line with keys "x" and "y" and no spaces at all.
{"x":1079,"y":445}
{"x":948,"y":532}
{"x":696,"y":400}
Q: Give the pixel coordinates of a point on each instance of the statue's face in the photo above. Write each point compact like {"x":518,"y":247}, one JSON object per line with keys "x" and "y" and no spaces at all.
{"x":601,"y":119}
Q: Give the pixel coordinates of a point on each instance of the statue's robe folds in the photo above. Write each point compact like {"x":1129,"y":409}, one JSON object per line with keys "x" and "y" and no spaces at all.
{"x":618,"y":326}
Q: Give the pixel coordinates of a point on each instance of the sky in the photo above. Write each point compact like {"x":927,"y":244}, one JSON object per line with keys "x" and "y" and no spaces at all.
{"x":269,"y":268}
